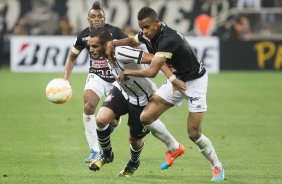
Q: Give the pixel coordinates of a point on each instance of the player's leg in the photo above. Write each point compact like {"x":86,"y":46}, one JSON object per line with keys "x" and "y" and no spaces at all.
{"x":91,"y":100}
{"x":136,"y":147}
{"x":137,"y":133}
{"x":204,"y":144}
{"x":104,"y":117}
{"x":197,"y":106}
{"x":152,"y":111}
{"x":93,"y":91}
{"x":113,"y":106}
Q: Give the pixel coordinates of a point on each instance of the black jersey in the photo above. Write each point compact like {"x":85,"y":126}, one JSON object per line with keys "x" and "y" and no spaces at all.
{"x":178,"y":53}
{"x":99,"y":67}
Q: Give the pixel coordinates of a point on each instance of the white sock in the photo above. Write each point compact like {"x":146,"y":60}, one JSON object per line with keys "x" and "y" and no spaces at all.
{"x":89,"y":122}
{"x":207,"y":149}
{"x":159,"y":130}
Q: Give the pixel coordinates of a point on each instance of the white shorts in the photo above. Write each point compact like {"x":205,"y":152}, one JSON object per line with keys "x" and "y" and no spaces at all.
{"x":195,"y":94}
{"x":98,"y":85}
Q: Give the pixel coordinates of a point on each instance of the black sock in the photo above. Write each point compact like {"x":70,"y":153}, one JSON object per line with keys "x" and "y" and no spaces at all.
{"x":105,"y":141}
{"x":135,"y":154}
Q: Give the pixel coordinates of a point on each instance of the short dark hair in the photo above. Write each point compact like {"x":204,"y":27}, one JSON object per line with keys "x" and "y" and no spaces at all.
{"x":96,"y":6}
{"x":147,"y":12}
{"x":102,"y":33}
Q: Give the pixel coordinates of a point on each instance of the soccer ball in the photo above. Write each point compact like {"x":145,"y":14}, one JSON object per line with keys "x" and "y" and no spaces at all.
{"x":58,"y":91}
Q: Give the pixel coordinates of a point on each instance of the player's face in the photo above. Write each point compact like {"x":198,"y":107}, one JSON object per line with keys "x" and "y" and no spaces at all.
{"x":149,"y":27}
{"x":96,"y":18}
{"x":96,"y":48}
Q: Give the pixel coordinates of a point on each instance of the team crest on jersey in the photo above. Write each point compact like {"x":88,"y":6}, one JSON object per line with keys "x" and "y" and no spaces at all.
{"x":109,"y":98}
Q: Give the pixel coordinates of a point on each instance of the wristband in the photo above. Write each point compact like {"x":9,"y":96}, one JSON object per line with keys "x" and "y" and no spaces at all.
{"x":172,"y":78}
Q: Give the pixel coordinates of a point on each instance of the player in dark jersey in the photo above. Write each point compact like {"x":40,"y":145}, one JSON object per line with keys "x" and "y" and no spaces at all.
{"x":129,"y":98}
{"x":171,"y":47}
{"x":100,"y":78}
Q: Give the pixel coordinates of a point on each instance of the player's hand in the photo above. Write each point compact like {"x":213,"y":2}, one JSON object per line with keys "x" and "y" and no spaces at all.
{"x":110,"y":50}
{"x":179,"y":85}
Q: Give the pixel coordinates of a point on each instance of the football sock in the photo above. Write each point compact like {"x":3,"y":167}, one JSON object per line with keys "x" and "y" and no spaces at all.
{"x":135,"y":153}
{"x":207,"y":149}
{"x":159,"y":130}
{"x":104,"y":140}
{"x":89,"y":122}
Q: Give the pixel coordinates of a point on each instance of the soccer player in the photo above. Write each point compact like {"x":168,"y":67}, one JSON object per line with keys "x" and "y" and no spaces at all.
{"x":129,"y":98}
{"x":99,"y":80}
{"x":170,"y":47}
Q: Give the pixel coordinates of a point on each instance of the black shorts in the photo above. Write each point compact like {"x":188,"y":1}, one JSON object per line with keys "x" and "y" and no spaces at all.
{"x":120,"y":106}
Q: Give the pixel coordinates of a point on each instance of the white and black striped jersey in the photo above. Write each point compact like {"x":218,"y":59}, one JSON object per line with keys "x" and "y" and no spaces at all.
{"x":137,"y":90}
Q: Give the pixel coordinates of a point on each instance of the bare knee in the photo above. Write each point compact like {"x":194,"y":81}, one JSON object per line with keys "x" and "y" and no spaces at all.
{"x":194,"y":125}
{"x":194,"y":134}
{"x":89,"y":108}
{"x":146,"y":119}
{"x":91,"y":100}
{"x":102,"y":121}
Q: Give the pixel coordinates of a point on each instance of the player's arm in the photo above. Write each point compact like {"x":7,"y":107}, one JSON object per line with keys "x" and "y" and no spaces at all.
{"x":130,"y":41}
{"x":177,"y":83}
{"x":147,"y":58}
{"x":158,"y":63}
{"x":150,"y":72}
{"x":69,"y":65}
{"x":110,"y":46}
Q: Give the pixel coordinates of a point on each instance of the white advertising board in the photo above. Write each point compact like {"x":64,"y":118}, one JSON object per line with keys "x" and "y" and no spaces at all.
{"x":44,"y":54}
{"x":49,"y":53}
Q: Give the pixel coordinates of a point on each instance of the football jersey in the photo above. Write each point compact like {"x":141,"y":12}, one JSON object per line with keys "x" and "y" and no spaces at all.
{"x":100,"y":67}
{"x":137,"y":90}
{"x":178,"y":53}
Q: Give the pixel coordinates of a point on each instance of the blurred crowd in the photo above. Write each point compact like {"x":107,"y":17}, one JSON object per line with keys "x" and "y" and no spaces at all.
{"x":42,"y":19}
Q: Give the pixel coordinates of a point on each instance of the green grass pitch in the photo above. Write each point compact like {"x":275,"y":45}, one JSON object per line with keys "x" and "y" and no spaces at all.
{"x":41,"y":142}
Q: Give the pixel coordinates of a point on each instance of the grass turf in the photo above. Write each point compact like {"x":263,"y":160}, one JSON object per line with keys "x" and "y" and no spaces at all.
{"x":41,"y":142}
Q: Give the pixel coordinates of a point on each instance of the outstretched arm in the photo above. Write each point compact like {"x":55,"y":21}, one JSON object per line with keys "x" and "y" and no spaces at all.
{"x":150,"y":72}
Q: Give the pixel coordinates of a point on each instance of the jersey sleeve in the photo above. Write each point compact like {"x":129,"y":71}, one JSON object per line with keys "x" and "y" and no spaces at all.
{"x":79,"y":45}
{"x":127,"y":54}
{"x":166,"y":47}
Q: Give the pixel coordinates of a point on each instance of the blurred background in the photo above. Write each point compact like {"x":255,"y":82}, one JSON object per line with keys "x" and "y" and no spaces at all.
{"x":36,"y":35}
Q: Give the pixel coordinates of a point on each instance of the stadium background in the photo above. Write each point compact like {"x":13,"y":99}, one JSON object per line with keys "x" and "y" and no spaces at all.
{"x":261,"y":50}
{"x":44,"y":143}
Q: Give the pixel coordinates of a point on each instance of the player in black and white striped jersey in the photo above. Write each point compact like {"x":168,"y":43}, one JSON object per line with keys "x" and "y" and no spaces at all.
{"x":129,"y":98}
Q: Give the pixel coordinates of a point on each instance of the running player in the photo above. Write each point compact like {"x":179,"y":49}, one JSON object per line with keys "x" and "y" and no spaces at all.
{"x":99,"y":80}
{"x":172,"y":48}
{"x":129,"y":98}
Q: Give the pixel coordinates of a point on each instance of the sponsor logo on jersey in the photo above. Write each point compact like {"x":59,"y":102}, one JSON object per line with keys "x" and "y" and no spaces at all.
{"x":99,"y":63}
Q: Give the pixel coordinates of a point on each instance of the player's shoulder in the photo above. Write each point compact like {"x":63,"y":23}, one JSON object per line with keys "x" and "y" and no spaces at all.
{"x":116,"y":32}
{"x":170,"y":36}
{"x":84,"y":33}
{"x":168,"y":32}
